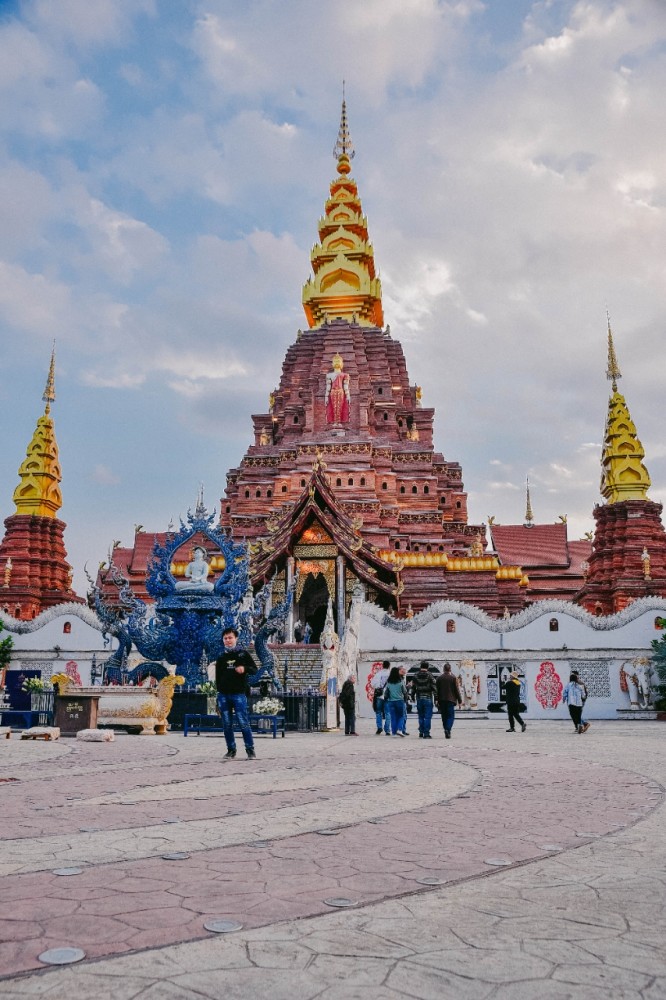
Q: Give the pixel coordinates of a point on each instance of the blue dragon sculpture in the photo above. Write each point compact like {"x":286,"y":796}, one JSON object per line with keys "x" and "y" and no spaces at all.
{"x":185,"y":627}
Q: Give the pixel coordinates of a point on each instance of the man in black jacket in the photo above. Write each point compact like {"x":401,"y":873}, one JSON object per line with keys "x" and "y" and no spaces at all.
{"x":423,"y":687}
{"x":232,"y":671}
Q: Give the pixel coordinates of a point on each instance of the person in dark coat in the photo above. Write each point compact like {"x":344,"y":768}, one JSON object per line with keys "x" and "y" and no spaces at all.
{"x":448,"y":696}
{"x":348,"y":705}
{"x":232,"y":671}
{"x":512,"y":692}
{"x":424,"y":689}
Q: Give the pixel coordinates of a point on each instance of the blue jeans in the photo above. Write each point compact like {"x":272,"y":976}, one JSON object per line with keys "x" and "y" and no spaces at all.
{"x":230,"y":704}
{"x":397,"y":714}
{"x":424,"y":709}
{"x":382,"y":716}
{"x":448,"y":712}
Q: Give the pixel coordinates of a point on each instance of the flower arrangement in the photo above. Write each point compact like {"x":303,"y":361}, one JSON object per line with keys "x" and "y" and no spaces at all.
{"x":207,"y":688}
{"x":268,"y":706}
{"x":62,"y":680}
{"x":35,"y":685}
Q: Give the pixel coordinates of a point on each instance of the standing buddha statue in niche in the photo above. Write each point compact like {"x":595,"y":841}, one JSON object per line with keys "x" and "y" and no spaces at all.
{"x":337,"y":398}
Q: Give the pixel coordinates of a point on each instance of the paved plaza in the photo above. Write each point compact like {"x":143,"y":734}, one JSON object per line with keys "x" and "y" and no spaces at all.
{"x":492,"y":865}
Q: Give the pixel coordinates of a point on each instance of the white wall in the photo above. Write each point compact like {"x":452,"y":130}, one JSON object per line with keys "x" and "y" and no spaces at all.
{"x":596,"y":647}
{"x":43,"y":644}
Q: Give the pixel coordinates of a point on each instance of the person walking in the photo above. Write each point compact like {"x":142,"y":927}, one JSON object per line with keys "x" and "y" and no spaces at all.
{"x":408,"y":703}
{"x":575,"y":696}
{"x":232,"y":670}
{"x":348,"y":705}
{"x":424,"y":689}
{"x":378,"y":683}
{"x":447,"y":697}
{"x":512,"y":692}
{"x":395,"y":693}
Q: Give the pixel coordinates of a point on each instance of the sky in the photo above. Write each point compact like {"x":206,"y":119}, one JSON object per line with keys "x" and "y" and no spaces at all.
{"x":163,"y":167}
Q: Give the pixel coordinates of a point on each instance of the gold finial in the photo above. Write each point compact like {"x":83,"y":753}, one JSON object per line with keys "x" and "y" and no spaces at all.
{"x":344,"y":145}
{"x":49,"y":389}
{"x":529,"y":515}
{"x":624,"y":475}
{"x":38,"y":492}
{"x":613,"y":372}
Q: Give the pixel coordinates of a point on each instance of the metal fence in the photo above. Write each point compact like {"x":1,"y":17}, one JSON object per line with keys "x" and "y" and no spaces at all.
{"x":304,"y":711}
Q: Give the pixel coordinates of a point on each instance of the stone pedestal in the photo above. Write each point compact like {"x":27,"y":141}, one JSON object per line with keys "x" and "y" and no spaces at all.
{"x":637,"y":714}
{"x":73,"y":712}
{"x":471,"y":713}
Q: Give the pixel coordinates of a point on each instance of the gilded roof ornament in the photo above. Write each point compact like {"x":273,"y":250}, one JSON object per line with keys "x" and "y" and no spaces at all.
{"x":624,"y":475}
{"x":345,"y":284}
{"x":38,"y":491}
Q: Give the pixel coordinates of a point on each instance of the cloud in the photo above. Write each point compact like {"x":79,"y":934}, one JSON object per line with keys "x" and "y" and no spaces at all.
{"x":102,"y":475}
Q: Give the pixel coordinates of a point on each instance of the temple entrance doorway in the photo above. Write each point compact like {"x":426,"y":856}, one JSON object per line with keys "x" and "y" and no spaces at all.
{"x":310,"y":609}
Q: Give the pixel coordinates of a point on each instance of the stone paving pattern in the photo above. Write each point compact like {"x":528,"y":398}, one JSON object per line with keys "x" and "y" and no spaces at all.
{"x":576,"y":913}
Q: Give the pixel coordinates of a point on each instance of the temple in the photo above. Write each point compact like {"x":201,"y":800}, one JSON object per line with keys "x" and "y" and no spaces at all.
{"x":342,"y":482}
{"x":34,"y":572}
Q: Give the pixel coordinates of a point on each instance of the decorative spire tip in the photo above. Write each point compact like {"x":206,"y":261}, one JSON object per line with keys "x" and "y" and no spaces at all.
{"x":613,"y":372}
{"x":49,"y":390}
{"x":529,"y":514}
{"x":344,"y":145}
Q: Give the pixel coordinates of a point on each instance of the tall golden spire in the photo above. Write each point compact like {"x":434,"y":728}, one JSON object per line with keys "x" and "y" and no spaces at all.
{"x":529,"y":515}
{"x":38,"y":491}
{"x":344,"y":284}
{"x":623,"y":476}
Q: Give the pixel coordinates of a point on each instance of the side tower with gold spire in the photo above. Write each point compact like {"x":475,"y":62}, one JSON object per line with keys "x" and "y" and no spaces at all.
{"x":628,"y":558}
{"x":34,"y":572}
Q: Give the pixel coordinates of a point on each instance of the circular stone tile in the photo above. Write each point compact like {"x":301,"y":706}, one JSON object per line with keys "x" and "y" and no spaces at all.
{"x":176,"y":856}
{"x":61,"y":956}
{"x":339,"y":901}
{"x":67,"y":871}
{"x":430,"y":880}
{"x":497,"y":862}
{"x":222,"y":926}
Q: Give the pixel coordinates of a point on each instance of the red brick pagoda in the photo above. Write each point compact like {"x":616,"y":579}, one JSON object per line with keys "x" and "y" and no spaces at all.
{"x":342,"y":482}
{"x":34,"y":572}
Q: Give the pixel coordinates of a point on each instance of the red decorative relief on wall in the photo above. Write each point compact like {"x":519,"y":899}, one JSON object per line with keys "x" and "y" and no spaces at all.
{"x":72,"y":670}
{"x":374,"y":669}
{"x":548,"y":686}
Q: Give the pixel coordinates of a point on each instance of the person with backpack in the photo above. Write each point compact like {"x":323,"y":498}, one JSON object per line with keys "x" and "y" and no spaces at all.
{"x":447,"y":697}
{"x":575,"y":696}
{"x":348,"y":705}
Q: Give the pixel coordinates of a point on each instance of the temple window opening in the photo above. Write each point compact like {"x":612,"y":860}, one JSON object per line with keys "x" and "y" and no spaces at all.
{"x":385,"y":416}
{"x":228,"y":508}
{"x":400,"y":423}
{"x":380,"y":391}
{"x":269,"y":493}
{"x":247,"y":494}
{"x":415,"y":489}
{"x":362,"y":480}
{"x":428,"y":548}
{"x":67,"y":628}
{"x":554,"y":625}
{"x":450,"y":625}
{"x":416,"y":548}
{"x":426,"y":489}
{"x":17,"y":611}
{"x":302,"y":482}
{"x":397,"y":545}
{"x":284,"y":488}
{"x":258,"y":493}
{"x":384,"y":486}
{"x":441,"y":548}
{"x":659,"y":623}
{"x":350,"y":481}
{"x":402,"y":489}
{"x":295,"y":420}
{"x":458,"y":505}
{"x":338,"y":481}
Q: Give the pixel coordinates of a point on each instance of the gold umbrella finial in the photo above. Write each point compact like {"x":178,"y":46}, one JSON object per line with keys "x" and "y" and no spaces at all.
{"x":49,"y":390}
{"x":613,"y":372}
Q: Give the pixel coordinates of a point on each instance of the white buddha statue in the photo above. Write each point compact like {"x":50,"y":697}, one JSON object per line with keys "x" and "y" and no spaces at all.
{"x":196,"y":573}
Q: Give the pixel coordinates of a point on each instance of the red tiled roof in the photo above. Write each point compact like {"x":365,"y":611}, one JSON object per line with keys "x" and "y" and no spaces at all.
{"x":539,"y":545}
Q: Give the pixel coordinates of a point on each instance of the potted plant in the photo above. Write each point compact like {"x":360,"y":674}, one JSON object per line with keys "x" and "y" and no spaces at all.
{"x":268,"y":706}
{"x":39,"y":693}
{"x":209,"y":689}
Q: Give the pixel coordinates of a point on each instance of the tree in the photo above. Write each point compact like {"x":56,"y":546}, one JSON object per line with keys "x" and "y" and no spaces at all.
{"x":659,"y":662}
{"x":6,"y":646}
